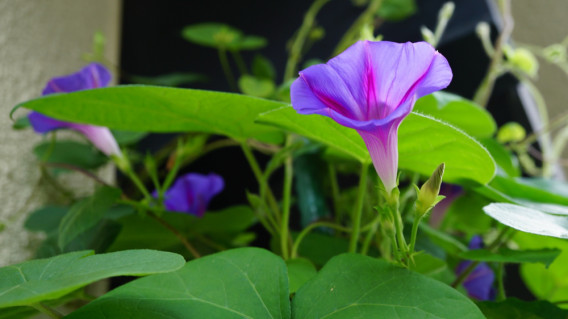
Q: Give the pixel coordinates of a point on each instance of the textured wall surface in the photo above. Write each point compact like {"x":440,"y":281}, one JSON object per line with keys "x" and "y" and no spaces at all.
{"x":38,"y":40}
{"x":543,"y":23}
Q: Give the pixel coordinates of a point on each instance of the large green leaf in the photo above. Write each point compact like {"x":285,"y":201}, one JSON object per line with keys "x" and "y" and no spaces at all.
{"x":300,"y":270}
{"x":457,"y":111}
{"x":530,"y":189}
{"x":355,"y":286}
{"x":528,"y":219}
{"x":46,"y":279}
{"x":424,"y":143}
{"x":239,"y":283}
{"x":86,"y":214}
{"x":543,"y":256}
{"x":161,"y":109}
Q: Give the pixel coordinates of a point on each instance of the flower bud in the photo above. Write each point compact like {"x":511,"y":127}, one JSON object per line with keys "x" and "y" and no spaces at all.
{"x":524,"y":60}
{"x":428,"y":35}
{"x":447,"y":11}
{"x":483,"y":30}
{"x":428,"y":194}
{"x":511,"y":132}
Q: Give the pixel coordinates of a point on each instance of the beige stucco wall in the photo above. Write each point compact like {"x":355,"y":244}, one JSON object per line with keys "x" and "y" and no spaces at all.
{"x":543,"y":23}
{"x":40,"y":39}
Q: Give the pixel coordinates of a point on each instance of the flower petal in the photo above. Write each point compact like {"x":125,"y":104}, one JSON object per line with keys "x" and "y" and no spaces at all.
{"x":92,"y":76}
{"x":43,"y":124}
{"x":191,"y":193}
{"x":100,"y":136}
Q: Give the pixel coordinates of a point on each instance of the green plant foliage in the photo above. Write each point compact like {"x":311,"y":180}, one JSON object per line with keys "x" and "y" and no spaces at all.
{"x":513,"y":308}
{"x":128,"y":138}
{"x":530,"y":189}
{"x":221,"y":36}
{"x":457,"y":111}
{"x":320,"y":248}
{"x":507,"y":163}
{"x":543,"y":256}
{"x":356,"y":286}
{"x":395,"y":10}
{"x":47,"y":279}
{"x":162,"y":110}
{"x":239,"y":283}
{"x":424,"y":143}
{"x":254,"y":86}
{"x":72,"y":153}
{"x":86,"y":213}
{"x":545,"y":283}
{"x":263,"y":68}
{"x":300,"y":270}
{"x":528,"y":219}
{"x":466,"y":215}
{"x":140,"y":232}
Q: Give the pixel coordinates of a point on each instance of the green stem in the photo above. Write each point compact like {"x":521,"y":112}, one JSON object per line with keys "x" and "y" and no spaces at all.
{"x":308,"y":229}
{"x":227,"y":69}
{"x":370,"y":234}
{"x":286,"y":194}
{"x":334,"y":191}
{"x":47,"y":310}
{"x":263,"y":184}
{"x":414,"y":233}
{"x":179,"y":235}
{"x":352,"y":33}
{"x":399,"y":230}
{"x":240,"y":62}
{"x":356,"y":214}
{"x":134,"y":178}
{"x":483,"y":93}
{"x":500,"y":284}
{"x":300,"y":40}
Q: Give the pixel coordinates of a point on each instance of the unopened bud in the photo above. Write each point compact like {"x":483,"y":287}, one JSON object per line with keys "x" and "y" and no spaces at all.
{"x":524,"y":60}
{"x":483,"y":30}
{"x":428,"y":195}
{"x":511,"y":132}
{"x":447,"y":11}
{"x":428,"y":35}
{"x":367,"y":33}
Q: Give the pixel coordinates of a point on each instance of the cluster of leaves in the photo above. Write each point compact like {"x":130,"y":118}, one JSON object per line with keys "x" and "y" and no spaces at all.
{"x":255,"y":283}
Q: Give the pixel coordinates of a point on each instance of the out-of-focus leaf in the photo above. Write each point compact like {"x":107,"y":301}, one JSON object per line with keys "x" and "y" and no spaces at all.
{"x":221,"y":36}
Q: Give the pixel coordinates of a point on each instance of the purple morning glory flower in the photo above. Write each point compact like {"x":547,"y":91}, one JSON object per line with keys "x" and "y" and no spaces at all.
{"x":191,"y":193}
{"x":479,"y":283}
{"x":371,"y":87}
{"x":90,"y":77}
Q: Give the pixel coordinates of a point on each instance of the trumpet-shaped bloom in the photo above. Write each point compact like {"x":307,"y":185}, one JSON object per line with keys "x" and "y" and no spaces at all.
{"x":191,"y":193}
{"x":479,"y":283}
{"x":90,"y":77}
{"x":371,"y":87}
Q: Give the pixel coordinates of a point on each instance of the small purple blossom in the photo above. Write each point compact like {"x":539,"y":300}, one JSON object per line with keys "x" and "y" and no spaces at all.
{"x":371,"y":87}
{"x":90,"y":77}
{"x":191,"y":193}
{"x":479,"y":283}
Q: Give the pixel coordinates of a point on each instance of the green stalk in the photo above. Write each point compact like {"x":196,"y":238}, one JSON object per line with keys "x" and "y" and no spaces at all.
{"x":500,"y":284}
{"x":227,"y":69}
{"x":240,"y":62}
{"x":370,"y":234}
{"x":352,"y":33}
{"x":356,"y":214}
{"x":286,"y":194}
{"x":296,"y":49}
{"x":259,"y":177}
{"x":308,"y":229}
{"x":414,"y":233}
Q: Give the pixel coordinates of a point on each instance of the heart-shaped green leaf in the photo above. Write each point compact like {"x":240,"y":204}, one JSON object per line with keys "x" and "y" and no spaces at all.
{"x":46,"y":279}
{"x":355,"y":286}
{"x":239,"y":283}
